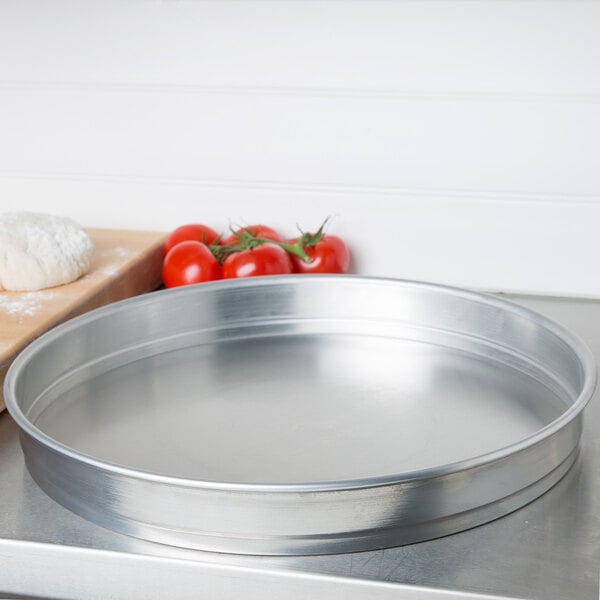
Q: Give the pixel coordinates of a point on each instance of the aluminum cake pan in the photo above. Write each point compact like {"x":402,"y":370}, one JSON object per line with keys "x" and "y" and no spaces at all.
{"x":300,"y":414}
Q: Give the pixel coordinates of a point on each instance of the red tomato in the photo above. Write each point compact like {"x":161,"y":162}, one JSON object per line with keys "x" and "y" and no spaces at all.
{"x":267,"y":259}
{"x":195,"y":232}
{"x":189,"y":262}
{"x":261,"y":231}
{"x":329,"y":255}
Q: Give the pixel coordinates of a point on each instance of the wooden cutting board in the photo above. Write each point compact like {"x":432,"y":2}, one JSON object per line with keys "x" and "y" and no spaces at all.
{"x":124,"y":264}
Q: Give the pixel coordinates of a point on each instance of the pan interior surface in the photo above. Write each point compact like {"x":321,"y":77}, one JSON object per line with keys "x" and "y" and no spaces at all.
{"x":300,"y":408}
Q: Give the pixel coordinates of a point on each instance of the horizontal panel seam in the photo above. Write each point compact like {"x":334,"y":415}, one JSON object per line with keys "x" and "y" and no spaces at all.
{"x":311,"y":187}
{"x":324,"y":92}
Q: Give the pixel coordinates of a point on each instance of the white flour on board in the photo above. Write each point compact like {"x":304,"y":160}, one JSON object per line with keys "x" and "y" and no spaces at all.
{"x":116,"y":256}
{"x":24,"y":305}
{"x":113,"y":268}
{"x":120,"y":251}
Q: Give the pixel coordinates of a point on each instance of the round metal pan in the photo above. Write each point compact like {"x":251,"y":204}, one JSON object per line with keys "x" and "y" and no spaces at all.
{"x":300,"y":414}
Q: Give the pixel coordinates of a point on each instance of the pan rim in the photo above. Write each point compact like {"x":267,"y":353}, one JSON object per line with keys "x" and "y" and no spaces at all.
{"x":574,"y":342}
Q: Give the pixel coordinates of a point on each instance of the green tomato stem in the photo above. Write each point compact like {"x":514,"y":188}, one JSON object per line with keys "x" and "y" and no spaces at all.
{"x":248,"y":241}
{"x":296,"y":249}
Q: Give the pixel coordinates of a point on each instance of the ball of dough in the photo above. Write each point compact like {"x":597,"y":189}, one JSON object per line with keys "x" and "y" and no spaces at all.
{"x":39,"y":251}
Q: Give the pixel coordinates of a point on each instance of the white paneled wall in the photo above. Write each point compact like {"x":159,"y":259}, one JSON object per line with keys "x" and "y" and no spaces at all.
{"x":453,"y":141}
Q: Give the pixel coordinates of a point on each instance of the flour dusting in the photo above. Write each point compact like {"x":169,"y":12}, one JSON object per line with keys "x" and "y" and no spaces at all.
{"x":109,"y":271}
{"x":122,"y":252}
{"x":115,"y":256}
{"x":119,"y":251}
{"x":26,"y":305}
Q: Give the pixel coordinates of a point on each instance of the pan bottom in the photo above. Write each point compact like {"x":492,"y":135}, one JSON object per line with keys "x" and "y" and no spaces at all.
{"x":343,"y":407}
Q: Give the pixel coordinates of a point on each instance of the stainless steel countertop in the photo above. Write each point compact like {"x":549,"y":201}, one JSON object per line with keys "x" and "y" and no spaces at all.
{"x":547,"y":550}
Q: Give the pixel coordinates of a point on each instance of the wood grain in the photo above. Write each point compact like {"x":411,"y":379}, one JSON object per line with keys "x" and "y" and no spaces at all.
{"x":125,"y":263}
